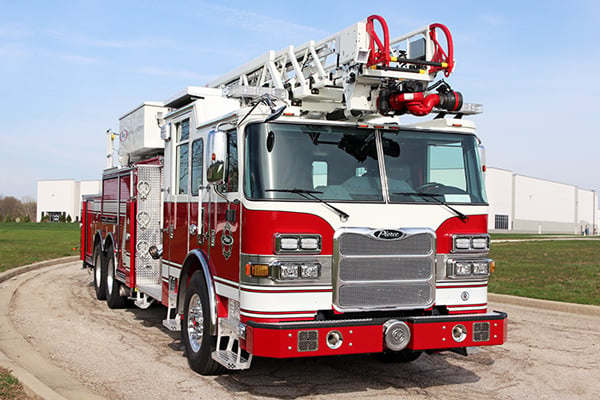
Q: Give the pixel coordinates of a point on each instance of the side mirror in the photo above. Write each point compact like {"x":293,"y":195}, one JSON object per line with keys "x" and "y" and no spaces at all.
{"x":216,"y":156}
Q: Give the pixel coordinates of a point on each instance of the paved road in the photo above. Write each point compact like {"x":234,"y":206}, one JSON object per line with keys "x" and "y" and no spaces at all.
{"x":51,"y":325}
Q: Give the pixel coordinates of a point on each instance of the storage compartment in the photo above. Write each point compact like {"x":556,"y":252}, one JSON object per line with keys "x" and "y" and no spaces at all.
{"x":139,"y":133}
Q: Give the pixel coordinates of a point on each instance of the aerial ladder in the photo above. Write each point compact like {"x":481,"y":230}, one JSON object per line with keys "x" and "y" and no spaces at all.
{"x":355,"y":74}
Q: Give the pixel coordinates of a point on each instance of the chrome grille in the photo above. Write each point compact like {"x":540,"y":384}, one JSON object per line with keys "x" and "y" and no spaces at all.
{"x":385,"y":269}
{"x":355,"y":244}
{"x":384,"y":294}
{"x":374,"y":273}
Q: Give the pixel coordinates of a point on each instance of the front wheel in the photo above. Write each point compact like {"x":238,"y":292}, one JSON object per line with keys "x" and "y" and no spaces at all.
{"x":195,"y":332}
{"x":99,"y":273}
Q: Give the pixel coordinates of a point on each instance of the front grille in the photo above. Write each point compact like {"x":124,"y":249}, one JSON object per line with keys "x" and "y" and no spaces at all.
{"x":374,"y":273}
{"x":308,"y":341}
{"x":481,"y":331}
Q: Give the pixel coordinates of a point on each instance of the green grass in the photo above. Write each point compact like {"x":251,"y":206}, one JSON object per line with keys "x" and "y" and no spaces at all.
{"x":10,"y":388}
{"x":510,"y":236}
{"x":561,"y":270}
{"x":26,"y":243}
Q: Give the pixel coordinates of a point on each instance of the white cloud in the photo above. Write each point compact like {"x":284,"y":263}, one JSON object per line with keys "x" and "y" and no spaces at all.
{"x":260,"y":23}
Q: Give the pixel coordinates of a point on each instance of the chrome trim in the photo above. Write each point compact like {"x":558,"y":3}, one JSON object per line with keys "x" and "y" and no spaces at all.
{"x":210,"y":286}
{"x":366,"y":252}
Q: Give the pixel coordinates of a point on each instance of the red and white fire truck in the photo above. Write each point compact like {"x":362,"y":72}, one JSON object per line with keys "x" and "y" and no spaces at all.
{"x":283,"y":210}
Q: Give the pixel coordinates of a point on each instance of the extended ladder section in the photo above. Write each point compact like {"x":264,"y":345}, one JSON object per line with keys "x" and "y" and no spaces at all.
{"x":354,"y":73}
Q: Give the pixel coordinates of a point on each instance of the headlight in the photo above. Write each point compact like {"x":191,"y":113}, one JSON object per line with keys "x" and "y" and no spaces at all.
{"x":296,"y":243}
{"x":285,"y":270}
{"x":463,"y":268}
{"x":470,"y":243}
{"x":468,"y":268}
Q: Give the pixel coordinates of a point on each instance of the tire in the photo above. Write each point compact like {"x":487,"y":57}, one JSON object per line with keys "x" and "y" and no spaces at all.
{"x":199,"y":344}
{"x":113,"y":298}
{"x":99,"y":273}
{"x":402,"y":356}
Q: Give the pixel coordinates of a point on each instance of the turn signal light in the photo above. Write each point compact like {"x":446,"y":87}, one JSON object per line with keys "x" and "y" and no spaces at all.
{"x":257,"y":270}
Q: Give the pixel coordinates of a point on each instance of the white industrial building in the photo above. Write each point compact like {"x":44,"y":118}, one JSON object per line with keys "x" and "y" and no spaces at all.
{"x":521,"y":203}
{"x":62,"y":198}
{"x":518,"y":203}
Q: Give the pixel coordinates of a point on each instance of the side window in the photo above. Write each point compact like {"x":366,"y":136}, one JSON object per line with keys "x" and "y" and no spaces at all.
{"x":447,"y":165}
{"x":231,"y":178}
{"x":197,"y":162}
{"x":182,"y":157}
{"x":319,"y":174}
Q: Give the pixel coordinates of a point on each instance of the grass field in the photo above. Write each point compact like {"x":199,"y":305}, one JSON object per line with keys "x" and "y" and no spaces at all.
{"x":561,"y":270}
{"x":26,"y":243}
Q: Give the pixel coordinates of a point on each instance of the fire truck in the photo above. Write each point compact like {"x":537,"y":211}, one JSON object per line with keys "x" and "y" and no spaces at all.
{"x":283,"y":210}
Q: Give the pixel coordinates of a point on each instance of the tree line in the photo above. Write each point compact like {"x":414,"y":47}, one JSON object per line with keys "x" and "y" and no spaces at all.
{"x":15,"y":210}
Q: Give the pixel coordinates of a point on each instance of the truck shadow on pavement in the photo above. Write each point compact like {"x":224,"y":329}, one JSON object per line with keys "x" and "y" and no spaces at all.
{"x":293,"y":378}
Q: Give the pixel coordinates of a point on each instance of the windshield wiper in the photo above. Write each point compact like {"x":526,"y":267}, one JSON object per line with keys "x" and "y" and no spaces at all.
{"x":311,"y":194}
{"x":463,"y":217}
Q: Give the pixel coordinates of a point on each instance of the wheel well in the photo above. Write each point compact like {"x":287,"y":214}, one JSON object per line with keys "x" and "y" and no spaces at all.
{"x":194,"y":262}
{"x":108,"y":242}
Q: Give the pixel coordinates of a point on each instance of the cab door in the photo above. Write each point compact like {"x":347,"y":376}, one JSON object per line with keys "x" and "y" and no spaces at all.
{"x":177,"y":210}
{"x":198,"y":224}
{"x":223,"y":210}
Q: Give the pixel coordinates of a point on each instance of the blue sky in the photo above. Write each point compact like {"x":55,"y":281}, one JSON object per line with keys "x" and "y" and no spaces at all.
{"x":70,"y":69}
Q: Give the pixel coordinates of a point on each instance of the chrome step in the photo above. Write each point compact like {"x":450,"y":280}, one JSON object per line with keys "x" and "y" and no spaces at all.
{"x":172,"y":324}
{"x":231,"y":360}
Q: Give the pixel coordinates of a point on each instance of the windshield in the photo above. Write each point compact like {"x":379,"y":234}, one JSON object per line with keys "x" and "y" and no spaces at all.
{"x":340,"y":163}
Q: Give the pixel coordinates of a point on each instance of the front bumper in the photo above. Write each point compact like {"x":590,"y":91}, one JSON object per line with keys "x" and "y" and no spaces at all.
{"x":312,"y":338}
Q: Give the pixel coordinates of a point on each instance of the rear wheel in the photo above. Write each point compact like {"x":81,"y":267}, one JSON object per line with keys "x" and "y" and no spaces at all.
{"x":195,"y":332}
{"x":113,"y":286}
{"x":99,"y":273}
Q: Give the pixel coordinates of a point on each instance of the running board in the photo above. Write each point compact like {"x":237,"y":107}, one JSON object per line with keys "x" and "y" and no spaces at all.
{"x":231,"y":360}
{"x":233,"y":331}
{"x":142,"y":300}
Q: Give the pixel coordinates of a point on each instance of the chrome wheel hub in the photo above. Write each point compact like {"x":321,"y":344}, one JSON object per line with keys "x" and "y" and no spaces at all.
{"x":195,"y":322}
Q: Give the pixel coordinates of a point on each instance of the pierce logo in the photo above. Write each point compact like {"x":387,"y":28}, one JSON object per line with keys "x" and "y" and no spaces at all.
{"x":388,"y":234}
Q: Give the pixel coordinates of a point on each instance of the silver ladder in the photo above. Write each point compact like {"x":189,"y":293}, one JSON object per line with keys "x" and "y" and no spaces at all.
{"x":335,"y":71}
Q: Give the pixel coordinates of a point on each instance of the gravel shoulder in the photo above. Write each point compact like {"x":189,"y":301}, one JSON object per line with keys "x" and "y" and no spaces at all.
{"x":52,"y":327}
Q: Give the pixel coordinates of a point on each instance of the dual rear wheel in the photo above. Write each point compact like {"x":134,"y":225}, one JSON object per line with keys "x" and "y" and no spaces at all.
{"x":106,"y":285}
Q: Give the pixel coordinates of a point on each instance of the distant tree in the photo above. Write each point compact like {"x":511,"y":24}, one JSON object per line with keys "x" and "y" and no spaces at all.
{"x":69,"y":219}
{"x":10,"y":207}
{"x":28,"y":208}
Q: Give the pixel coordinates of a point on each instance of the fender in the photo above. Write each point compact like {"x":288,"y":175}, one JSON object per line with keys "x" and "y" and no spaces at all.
{"x":108,"y":240}
{"x":196,"y":260}
{"x":98,"y":240}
